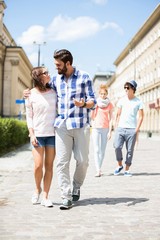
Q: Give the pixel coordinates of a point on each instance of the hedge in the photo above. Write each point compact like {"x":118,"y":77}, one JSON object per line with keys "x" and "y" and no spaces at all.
{"x":13,"y":134}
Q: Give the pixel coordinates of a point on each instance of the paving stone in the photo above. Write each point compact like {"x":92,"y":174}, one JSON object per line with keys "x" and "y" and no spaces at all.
{"x":110,"y":208}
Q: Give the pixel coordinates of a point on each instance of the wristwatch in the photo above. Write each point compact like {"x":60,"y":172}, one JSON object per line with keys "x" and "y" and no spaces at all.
{"x":84,"y":105}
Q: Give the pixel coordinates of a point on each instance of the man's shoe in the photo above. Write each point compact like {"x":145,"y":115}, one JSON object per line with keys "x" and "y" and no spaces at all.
{"x":127,"y":174}
{"x":66,"y":204}
{"x":118,"y":170}
{"x":75,"y":195}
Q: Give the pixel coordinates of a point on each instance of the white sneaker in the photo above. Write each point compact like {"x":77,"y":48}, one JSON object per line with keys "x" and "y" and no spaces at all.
{"x":118,"y":170}
{"x":67,"y":204}
{"x":99,"y":174}
{"x":127,"y":174}
{"x":47,"y":202}
{"x":35,"y":198}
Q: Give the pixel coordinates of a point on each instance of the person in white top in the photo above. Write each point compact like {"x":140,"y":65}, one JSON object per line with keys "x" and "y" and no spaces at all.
{"x":129,"y":118}
{"x":40,"y":114}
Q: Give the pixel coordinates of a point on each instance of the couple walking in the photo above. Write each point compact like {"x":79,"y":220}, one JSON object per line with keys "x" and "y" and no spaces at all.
{"x":128,"y":120}
{"x":73,"y":92}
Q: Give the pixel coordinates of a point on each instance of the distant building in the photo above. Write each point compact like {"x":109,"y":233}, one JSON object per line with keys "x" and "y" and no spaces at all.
{"x":15,"y":69}
{"x":140,"y":60}
{"x":102,"y":78}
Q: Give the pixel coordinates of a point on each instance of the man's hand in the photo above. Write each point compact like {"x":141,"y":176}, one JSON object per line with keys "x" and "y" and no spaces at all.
{"x":26,"y":93}
{"x":79,"y":103}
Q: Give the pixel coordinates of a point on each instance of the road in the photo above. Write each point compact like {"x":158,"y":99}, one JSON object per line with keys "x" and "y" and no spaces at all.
{"x":110,"y":208}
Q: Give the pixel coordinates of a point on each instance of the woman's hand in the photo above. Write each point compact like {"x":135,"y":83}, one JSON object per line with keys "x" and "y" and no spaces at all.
{"x":34,"y":140}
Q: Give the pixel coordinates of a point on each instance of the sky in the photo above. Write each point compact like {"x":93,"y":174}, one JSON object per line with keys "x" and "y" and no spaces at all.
{"x":94,"y":31}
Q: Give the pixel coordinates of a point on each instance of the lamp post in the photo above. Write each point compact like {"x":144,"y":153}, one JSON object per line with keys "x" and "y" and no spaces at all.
{"x":39,"y":50}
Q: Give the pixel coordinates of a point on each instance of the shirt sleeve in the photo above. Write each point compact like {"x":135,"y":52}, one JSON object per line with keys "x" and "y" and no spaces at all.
{"x":29,"y":112}
{"x":90,"y":96}
{"x":141,"y":105}
{"x":52,"y":83}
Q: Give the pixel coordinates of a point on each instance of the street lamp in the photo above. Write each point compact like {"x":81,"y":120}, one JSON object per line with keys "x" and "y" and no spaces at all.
{"x":39,"y":50}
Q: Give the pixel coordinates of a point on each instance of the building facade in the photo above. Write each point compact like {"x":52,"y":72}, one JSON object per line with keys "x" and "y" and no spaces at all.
{"x":102,"y":78}
{"x":15,"y":69}
{"x":140,"y":60}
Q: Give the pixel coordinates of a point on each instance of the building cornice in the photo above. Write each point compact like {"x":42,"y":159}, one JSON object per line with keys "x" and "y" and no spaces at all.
{"x":2,"y":6}
{"x":150,"y":22}
{"x":20,"y":52}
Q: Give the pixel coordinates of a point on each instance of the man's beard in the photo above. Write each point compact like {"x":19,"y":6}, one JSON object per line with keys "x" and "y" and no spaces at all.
{"x":63,"y":70}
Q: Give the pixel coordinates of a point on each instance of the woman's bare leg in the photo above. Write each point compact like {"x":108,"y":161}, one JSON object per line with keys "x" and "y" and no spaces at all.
{"x":48,"y":165}
{"x":38,"y":154}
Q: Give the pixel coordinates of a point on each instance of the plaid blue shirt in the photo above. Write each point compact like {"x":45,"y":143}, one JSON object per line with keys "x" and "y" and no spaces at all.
{"x":78,"y":86}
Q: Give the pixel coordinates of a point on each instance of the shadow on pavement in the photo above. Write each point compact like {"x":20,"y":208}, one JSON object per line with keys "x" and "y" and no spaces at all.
{"x":3,"y":202}
{"x":111,"y":201}
{"x":146,"y":174}
{"x":134,"y":174}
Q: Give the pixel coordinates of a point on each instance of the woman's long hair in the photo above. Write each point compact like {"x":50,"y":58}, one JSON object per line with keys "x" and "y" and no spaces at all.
{"x":36,"y":74}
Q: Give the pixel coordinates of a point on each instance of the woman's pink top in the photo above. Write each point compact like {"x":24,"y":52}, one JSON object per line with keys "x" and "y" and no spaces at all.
{"x":100,"y":116}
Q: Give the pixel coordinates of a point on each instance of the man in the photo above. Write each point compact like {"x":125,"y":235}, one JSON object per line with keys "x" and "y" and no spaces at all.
{"x":75,"y":98}
{"x":129,"y":118}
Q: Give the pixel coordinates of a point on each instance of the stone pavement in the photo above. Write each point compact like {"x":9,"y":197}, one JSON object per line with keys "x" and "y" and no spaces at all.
{"x":110,"y":208}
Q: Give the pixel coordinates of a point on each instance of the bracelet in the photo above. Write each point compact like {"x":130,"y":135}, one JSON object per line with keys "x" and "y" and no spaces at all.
{"x":84,"y":105}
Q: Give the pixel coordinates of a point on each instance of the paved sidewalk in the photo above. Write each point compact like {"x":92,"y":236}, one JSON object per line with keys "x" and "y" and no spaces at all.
{"x":110,"y":208}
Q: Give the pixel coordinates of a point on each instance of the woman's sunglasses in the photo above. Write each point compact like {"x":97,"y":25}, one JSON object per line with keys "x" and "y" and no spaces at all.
{"x":44,"y":73}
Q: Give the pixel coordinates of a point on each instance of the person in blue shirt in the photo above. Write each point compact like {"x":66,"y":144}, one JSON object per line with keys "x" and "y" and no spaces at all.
{"x":75,"y":99}
{"x":129,"y":118}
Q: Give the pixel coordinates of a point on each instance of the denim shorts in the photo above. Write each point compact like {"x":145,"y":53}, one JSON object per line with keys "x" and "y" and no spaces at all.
{"x":45,"y":142}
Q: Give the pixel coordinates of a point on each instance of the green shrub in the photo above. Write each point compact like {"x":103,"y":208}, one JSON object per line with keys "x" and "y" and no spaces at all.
{"x":13,"y":133}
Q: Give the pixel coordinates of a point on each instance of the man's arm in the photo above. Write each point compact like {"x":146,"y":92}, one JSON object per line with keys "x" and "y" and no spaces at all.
{"x":140,"y":119}
{"x":118,"y":114}
{"x":89,"y":94}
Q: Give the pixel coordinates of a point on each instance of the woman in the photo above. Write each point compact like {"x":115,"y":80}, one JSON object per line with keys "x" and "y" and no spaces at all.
{"x":101,"y":127}
{"x":41,"y":113}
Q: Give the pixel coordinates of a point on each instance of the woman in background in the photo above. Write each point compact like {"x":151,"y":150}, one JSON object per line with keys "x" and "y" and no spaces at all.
{"x":41,"y":113}
{"x":101,"y":127}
